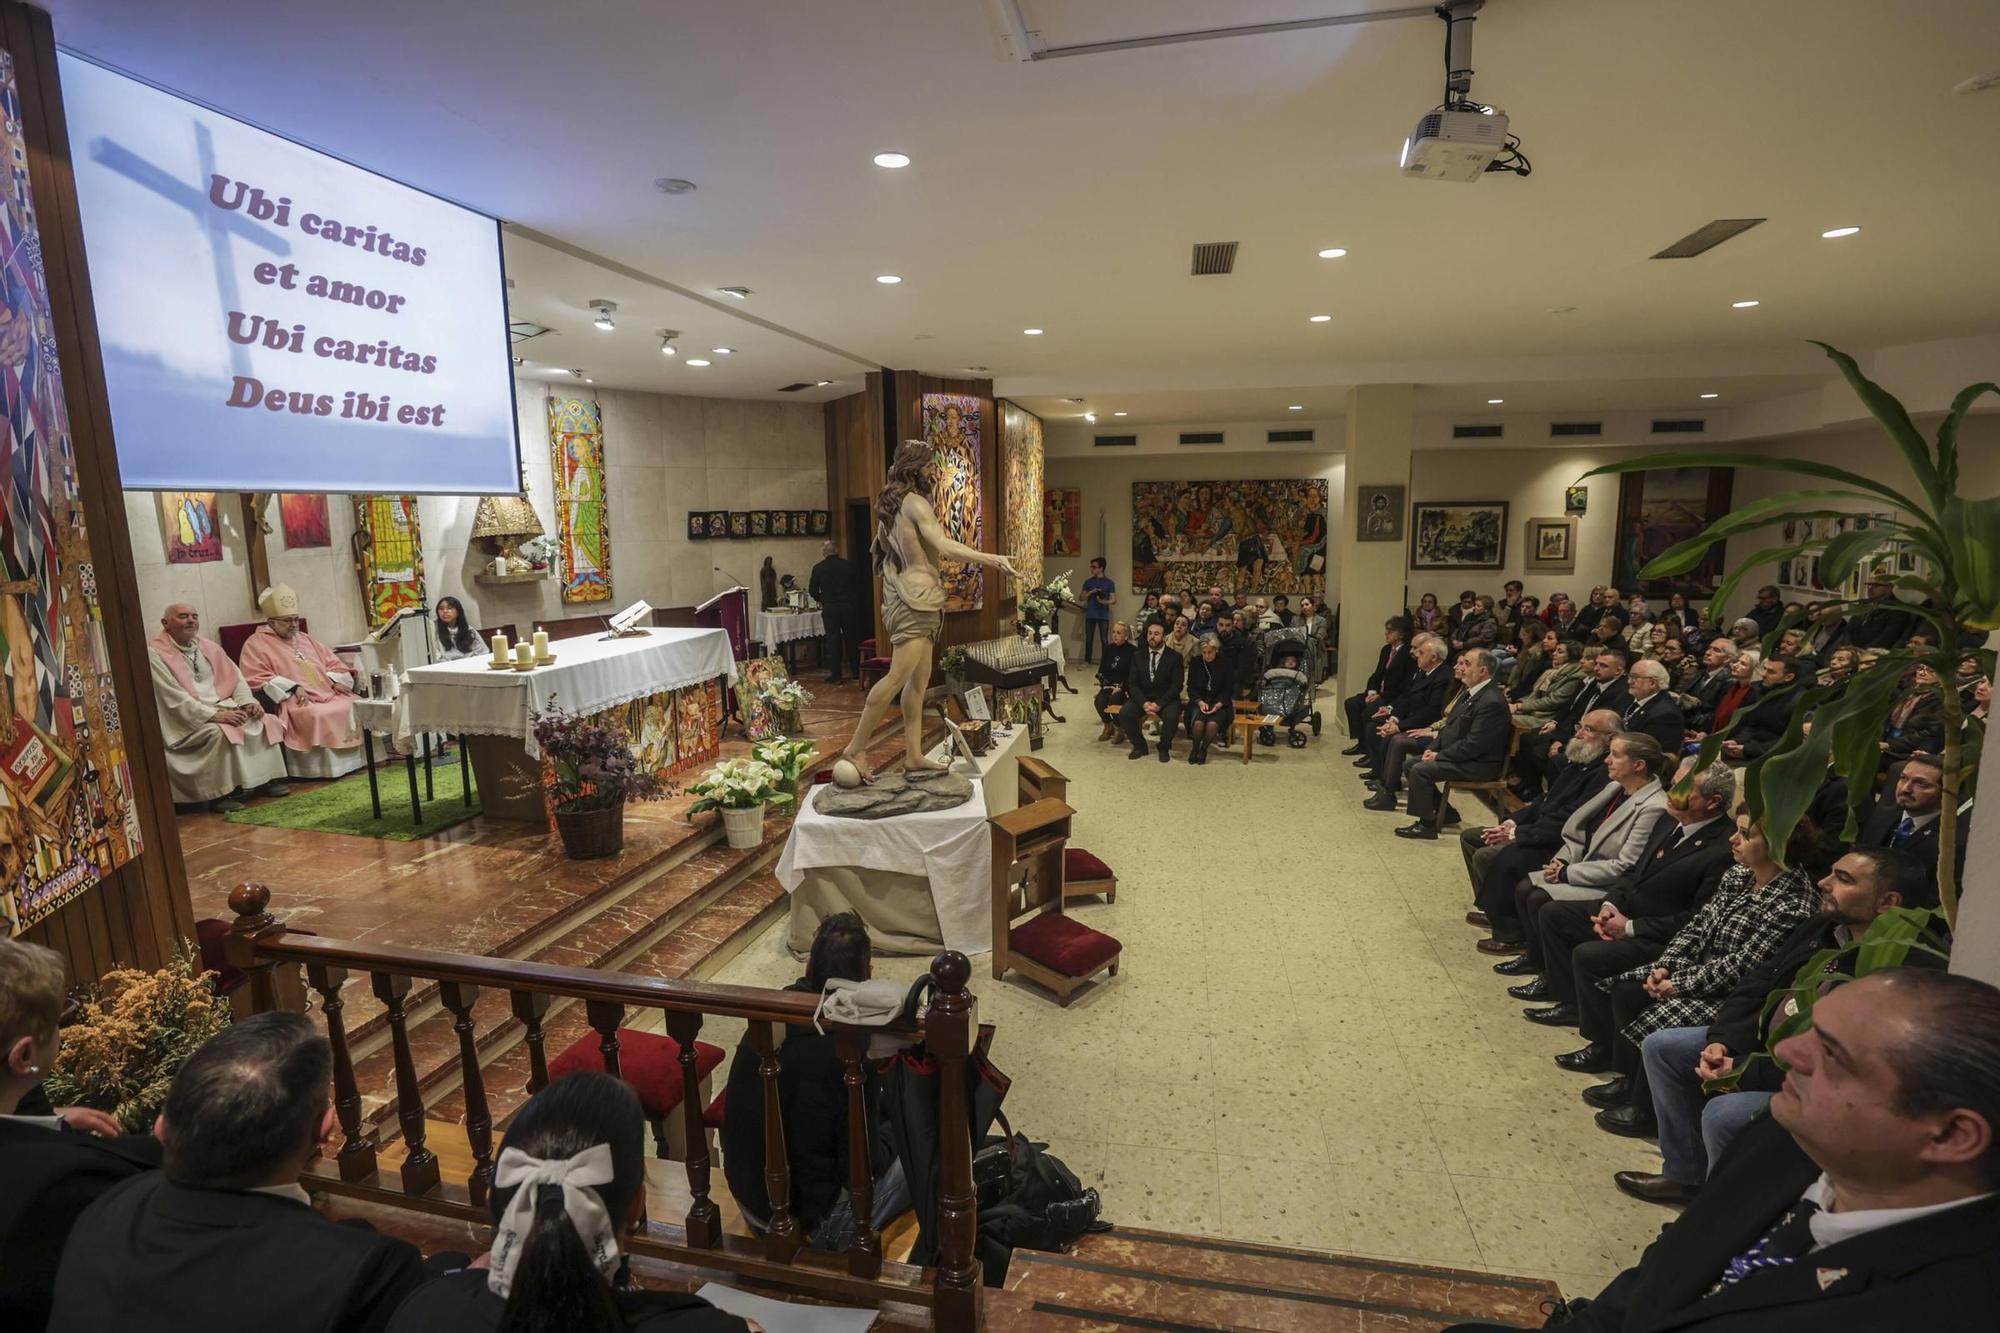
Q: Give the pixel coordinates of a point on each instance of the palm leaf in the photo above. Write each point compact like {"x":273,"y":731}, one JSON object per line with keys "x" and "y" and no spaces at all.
{"x":1882,"y":405}
{"x":1845,"y":550}
{"x":1947,"y":439}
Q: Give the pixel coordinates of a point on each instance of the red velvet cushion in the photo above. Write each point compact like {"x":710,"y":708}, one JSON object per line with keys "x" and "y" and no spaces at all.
{"x":873,"y":663}
{"x":1063,"y":944}
{"x":1079,"y":864}
{"x":712,"y":1117}
{"x":649,"y":1062}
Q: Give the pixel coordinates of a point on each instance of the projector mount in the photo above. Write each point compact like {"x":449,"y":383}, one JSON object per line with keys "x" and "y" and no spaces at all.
{"x":1459,"y":16}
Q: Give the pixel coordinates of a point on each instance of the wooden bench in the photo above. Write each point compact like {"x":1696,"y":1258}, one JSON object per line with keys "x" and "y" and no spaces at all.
{"x":1499,"y":795}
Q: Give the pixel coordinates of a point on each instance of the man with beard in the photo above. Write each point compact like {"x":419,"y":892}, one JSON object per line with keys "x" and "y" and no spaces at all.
{"x":1497,"y":857}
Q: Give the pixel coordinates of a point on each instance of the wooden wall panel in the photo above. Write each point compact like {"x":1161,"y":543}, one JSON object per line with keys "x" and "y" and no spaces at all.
{"x":138,"y":914}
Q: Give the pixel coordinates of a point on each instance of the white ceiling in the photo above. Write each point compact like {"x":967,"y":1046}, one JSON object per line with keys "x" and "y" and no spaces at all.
{"x":1065,"y":193}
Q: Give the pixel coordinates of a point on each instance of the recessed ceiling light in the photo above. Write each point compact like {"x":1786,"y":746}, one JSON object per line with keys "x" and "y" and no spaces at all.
{"x":1118,"y":414}
{"x":976,"y":370}
{"x":739,"y":293}
{"x":1835,"y":233}
{"x":1562,"y":310}
{"x":1296,"y":407}
{"x":1032,"y":333}
{"x":1711,"y":395}
{"x":1495,"y":402}
{"x":588,"y":380}
{"x":696,"y":361}
{"x":892,"y":160}
{"x":1335,"y":253}
{"x":722,"y":351}
{"x":1320,"y":319}
{"x":887,"y":279}
{"x":1090,"y":416}
{"x":674,"y":185}
{"x":1741,"y":305}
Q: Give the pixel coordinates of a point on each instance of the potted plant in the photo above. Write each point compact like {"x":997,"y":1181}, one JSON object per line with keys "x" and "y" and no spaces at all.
{"x":1941,"y":545}
{"x":952,"y":663}
{"x":135,"y":1031}
{"x":787,"y":756}
{"x":785,"y":698}
{"x":742,"y":789}
{"x":588,"y":776}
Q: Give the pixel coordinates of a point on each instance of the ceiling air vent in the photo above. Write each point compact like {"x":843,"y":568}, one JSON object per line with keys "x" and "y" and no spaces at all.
{"x":1559,"y":429}
{"x":1201,"y":437}
{"x":1288,"y":436}
{"x":1109,"y":441}
{"x":1705,"y":238}
{"x":1214,"y":257}
{"x":796,"y":385}
{"x":1492,"y":432}
{"x":1683,"y":426}
{"x":523,"y":329}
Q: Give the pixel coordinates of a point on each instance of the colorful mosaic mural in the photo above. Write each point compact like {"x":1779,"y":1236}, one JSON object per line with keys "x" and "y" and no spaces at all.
{"x":1021,"y":490}
{"x":1243,"y":536}
{"x":388,"y":555}
{"x":951,"y":427}
{"x":583,"y":533}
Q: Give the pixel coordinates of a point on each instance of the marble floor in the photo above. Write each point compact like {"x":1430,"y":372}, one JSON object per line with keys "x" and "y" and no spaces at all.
{"x":1302,"y":1046}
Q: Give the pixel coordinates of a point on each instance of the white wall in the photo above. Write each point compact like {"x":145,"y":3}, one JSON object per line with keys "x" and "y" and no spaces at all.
{"x":664,"y":455}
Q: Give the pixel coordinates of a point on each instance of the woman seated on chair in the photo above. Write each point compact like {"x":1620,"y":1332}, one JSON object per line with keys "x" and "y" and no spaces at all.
{"x":1209,"y":708}
{"x":455,"y":636}
{"x":1111,"y":674}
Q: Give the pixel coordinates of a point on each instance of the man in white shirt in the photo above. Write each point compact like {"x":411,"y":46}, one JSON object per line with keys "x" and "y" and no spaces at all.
{"x":220,"y":741}
{"x":1865,"y":1201}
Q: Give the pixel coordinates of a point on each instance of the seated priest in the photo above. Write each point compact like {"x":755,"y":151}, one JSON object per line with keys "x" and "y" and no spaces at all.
{"x":220,"y":742}
{"x":314,"y":690}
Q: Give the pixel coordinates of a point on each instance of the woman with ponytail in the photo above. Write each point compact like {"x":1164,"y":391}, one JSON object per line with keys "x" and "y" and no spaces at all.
{"x":570,"y":1182}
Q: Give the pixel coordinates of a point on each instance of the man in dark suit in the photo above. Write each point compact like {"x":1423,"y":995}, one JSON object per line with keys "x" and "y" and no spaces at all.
{"x":1653,"y":708}
{"x":1713,"y":682}
{"x":1644,"y":907}
{"x":1761,"y":723}
{"x":1768,"y":610}
{"x":1909,"y":820}
{"x":1416,"y":709}
{"x":1540,"y":754}
{"x":836,"y":586}
{"x":224,"y":1237}
{"x":1393,"y":666}
{"x":1502,"y":853}
{"x":1882,"y":621}
{"x":1866,"y":1201}
{"x":1471,"y":745}
{"x":1153,"y":691}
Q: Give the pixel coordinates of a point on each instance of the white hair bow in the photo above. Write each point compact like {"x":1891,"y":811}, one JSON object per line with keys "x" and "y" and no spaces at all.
{"x":526,"y":1176}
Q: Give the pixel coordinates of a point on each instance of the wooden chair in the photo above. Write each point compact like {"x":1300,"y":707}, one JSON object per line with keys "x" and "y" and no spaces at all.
{"x":1050,"y":948}
{"x":1496,"y":790}
{"x":1084,"y":875}
{"x":1248,"y":718}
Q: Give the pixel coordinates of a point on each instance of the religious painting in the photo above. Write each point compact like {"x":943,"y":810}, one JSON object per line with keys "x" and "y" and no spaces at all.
{"x":759,"y":720}
{"x":193,"y":527}
{"x":67,"y":812}
{"x":673,"y":730}
{"x":1576,"y":499}
{"x":1062,"y":521}
{"x":822,"y":522}
{"x":1551,"y":545}
{"x":388,"y":555}
{"x":697,"y":525}
{"x":952,"y":426}
{"x":1245,"y":536}
{"x":583,"y":532}
{"x":801,"y":522}
{"x":739,"y":523}
{"x":1660,"y":508}
{"x":780,"y":524}
{"x":305,"y":521}
{"x":1021,"y":491}
{"x":718,"y":523}
{"x":1378,"y":513}
{"x":1458,"y":534}
{"x":760,"y":523}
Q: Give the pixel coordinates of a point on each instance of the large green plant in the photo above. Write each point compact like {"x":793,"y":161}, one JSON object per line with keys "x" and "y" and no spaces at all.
{"x":1956,"y":538}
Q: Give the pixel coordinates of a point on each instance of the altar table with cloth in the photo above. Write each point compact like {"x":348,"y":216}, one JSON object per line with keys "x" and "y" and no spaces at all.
{"x":920,"y":882}
{"x":664,"y":687}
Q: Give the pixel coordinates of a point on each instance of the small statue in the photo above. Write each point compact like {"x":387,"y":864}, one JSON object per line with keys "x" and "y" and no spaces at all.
{"x":767,"y":584}
{"x":908,"y":543}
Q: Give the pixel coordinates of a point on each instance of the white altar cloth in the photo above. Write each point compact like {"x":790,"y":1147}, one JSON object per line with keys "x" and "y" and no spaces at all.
{"x":950,"y":848}
{"x":590,"y":674}
{"x":772,"y":628}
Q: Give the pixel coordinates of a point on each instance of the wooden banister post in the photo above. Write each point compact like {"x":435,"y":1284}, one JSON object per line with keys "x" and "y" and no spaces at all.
{"x":782,"y":1240}
{"x":478,"y":1119}
{"x":864,"y":1253}
{"x":704,"y":1219}
{"x":269,"y":985}
{"x":949,"y":1026}
{"x":356,"y":1157}
{"x":420,"y":1164}
{"x":531,"y":1007}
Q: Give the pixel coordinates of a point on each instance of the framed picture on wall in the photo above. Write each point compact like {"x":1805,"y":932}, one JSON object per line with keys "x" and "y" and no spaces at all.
{"x":1458,"y":534}
{"x":1576,"y":499}
{"x":718,"y":523}
{"x":1378,"y":513}
{"x":760,"y":523}
{"x":1551,"y":546}
{"x":801,"y":522}
{"x":822,"y":522}
{"x":739,"y":523}
{"x":780,"y":523}
{"x":697,"y":525}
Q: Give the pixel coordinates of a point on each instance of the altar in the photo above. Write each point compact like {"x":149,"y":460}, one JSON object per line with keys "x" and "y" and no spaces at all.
{"x":921,"y":882}
{"x":664,"y":686}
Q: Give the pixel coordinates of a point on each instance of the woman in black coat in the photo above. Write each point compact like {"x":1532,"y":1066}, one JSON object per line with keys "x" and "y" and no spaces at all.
{"x":1209,"y":686}
{"x":1111,"y":674}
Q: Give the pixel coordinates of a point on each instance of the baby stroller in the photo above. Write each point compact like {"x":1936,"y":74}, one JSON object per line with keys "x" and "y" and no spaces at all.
{"x":1291,"y":661}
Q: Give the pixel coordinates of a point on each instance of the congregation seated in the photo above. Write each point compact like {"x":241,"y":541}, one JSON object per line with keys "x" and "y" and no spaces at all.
{"x":221,"y":743}
{"x":1153,"y":693}
{"x":1869,"y":1198}
{"x":1312,"y":619}
{"x":1477,"y":628}
{"x":1679,"y":1061}
{"x":1540,"y":755}
{"x":812,"y":1101}
{"x":1562,"y":675}
{"x":1401,"y":726}
{"x":223,"y":1237}
{"x":54,"y":1163}
{"x":1653,"y":708}
{"x":1181,"y":639}
{"x":1908,"y":819}
{"x":1705,"y":689}
{"x":1393,"y":665}
{"x":1768,"y":712}
{"x":312,"y":689}
{"x":1917,"y":720}
{"x":1113,"y":669}
{"x":1425,"y":617}
{"x":568,"y":1186}
{"x":1470,"y":746}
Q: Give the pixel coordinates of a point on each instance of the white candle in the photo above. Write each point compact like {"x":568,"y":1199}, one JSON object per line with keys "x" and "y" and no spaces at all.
{"x":524,"y":654}
{"x":541,"y":644}
{"x":500,"y":653}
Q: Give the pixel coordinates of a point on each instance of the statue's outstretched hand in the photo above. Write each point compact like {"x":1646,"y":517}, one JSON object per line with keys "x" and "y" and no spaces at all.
{"x":1004,"y":562}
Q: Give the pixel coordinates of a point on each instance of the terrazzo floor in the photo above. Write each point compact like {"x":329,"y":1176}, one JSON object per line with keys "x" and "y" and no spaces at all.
{"x":1302,"y":1046}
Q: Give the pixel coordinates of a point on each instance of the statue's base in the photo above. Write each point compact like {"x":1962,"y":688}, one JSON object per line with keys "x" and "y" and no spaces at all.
{"x":895,"y":794}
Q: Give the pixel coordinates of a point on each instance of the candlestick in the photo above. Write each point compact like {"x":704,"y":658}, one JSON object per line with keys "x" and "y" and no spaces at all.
{"x":524,"y":655}
{"x":500,"y":653}
{"x":541,"y":645}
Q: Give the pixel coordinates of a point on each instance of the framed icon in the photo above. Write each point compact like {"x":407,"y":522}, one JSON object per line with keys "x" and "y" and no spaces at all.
{"x":718,"y":523}
{"x":1551,"y":545}
{"x":760,"y":523}
{"x":739,"y":523}
{"x":697,"y":525}
{"x":822,"y":522}
{"x":780,"y":523}
{"x":801,"y":522}
{"x":1576,"y":499}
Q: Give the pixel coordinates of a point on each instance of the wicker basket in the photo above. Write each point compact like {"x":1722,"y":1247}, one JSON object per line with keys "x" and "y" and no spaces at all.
{"x":590,"y":834}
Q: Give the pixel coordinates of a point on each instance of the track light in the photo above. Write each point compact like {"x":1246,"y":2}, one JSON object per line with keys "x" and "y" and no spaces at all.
{"x":604,"y":309}
{"x":667,"y":337}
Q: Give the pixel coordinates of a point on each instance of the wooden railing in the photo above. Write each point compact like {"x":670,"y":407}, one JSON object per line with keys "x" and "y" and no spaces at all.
{"x":273,"y":959}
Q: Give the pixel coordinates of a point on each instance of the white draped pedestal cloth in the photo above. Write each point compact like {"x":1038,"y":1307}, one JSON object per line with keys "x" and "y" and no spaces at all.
{"x":921,"y":881}
{"x":772,"y":628}
{"x":997,"y":772}
{"x":590,"y":674}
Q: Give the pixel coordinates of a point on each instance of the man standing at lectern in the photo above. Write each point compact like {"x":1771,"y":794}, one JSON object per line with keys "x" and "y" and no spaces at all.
{"x":313,"y":688}
{"x":220,"y":741}
{"x":835,"y":587}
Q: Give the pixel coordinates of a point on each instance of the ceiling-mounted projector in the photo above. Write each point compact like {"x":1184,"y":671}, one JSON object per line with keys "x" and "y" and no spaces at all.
{"x":1455,"y":145}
